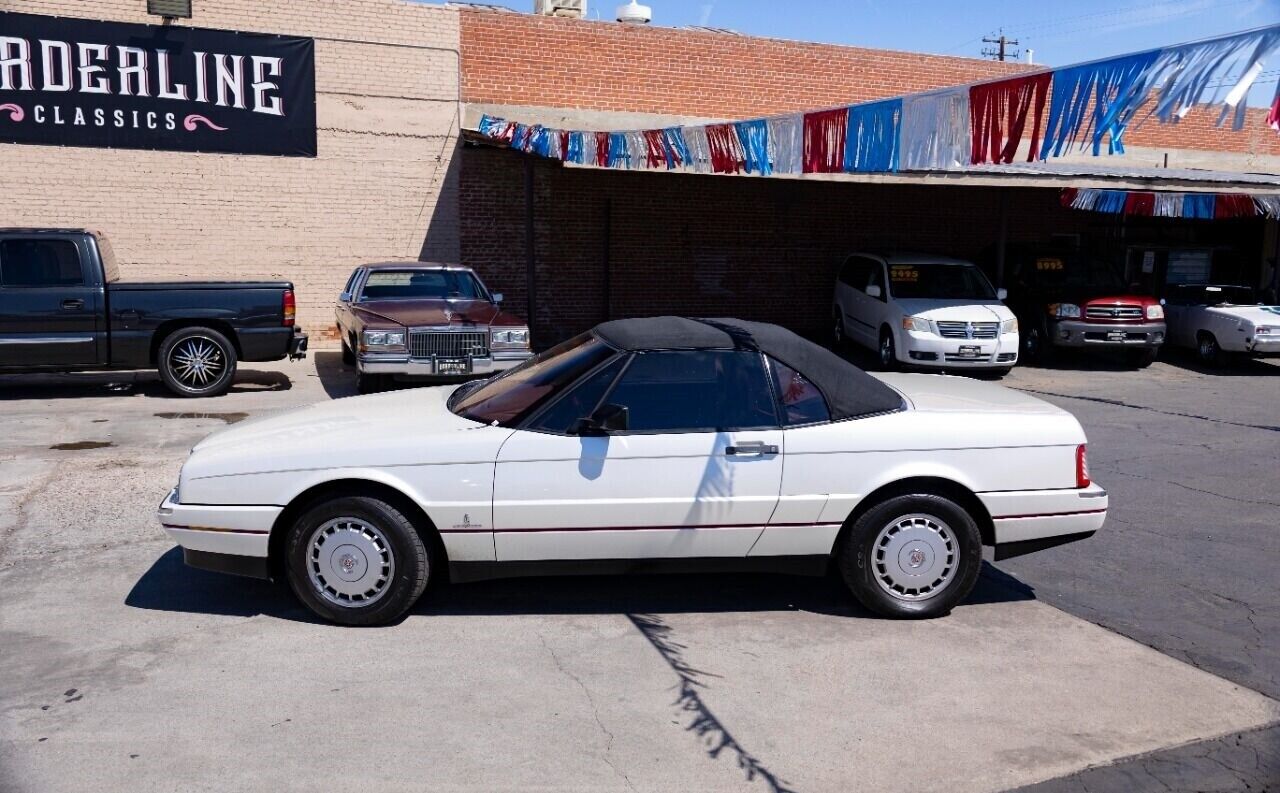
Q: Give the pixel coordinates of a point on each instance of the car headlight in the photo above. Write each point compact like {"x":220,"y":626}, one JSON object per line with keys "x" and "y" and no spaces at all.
{"x":1155,"y":311}
{"x":918,"y":324}
{"x":509,"y":339}
{"x":384,"y":339}
{"x":1009,"y":326}
{"x":1064,"y":310}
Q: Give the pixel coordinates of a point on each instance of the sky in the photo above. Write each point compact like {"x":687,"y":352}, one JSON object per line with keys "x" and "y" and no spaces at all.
{"x":1059,"y":32}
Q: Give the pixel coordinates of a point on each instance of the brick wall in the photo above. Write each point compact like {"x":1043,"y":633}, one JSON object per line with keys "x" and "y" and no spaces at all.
{"x":383,"y":186}
{"x":518,"y":59}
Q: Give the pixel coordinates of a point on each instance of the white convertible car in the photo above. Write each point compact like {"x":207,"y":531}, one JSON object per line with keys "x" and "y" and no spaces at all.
{"x":1220,"y":321}
{"x":644,"y":444}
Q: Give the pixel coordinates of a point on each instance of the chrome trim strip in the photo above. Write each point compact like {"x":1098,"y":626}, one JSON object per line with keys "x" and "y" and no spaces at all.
{"x":45,"y":340}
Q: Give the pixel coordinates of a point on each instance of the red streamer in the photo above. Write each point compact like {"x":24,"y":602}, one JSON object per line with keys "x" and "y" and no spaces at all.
{"x":602,"y":149}
{"x":1143,"y":204}
{"x":725,"y":148}
{"x":656,"y":148}
{"x":1069,"y":196}
{"x":1273,"y":118}
{"x":564,"y":143}
{"x":825,"y":133}
{"x":998,"y":114}
{"x":1234,"y":205}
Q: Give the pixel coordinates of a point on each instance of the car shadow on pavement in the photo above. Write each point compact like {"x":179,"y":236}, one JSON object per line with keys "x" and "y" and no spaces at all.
{"x":1234,"y":367}
{"x":117,"y":384}
{"x":169,"y":585}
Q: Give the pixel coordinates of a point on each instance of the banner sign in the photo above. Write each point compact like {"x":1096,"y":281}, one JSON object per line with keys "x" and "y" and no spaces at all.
{"x":78,"y":82}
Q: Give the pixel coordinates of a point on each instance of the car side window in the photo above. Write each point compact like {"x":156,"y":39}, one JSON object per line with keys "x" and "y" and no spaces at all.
{"x":37,"y":263}
{"x":580,"y":402}
{"x":853,"y":273}
{"x":801,"y":401}
{"x":351,"y":283}
{"x":695,"y":391}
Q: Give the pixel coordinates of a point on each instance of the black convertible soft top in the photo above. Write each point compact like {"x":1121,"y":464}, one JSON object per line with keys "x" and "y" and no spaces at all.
{"x":849,"y":391}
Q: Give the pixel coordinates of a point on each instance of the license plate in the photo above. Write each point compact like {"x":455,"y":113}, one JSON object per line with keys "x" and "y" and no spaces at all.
{"x":461,"y":366}
{"x":967,"y":351}
{"x":1117,"y":335}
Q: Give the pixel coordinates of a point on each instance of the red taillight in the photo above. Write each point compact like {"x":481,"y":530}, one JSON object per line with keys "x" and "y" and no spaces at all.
{"x":290,"y":308}
{"x":1082,"y":466}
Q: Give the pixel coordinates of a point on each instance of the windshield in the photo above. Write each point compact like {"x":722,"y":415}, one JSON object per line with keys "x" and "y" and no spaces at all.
{"x":1053,"y":272}
{"x":505,"y":399}
{"x":410,"y":284}
{"x":939,"y":282}
{"x":1227,"y":296}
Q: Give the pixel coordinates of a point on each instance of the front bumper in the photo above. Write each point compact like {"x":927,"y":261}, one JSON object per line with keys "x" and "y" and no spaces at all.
{"x":228,"y":539}
{"x":1078,"y":333}
{"x":928,"y":349}
{"x":402,"y":364}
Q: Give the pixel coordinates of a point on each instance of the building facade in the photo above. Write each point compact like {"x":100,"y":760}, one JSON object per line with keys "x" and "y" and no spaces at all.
{"x":395,"y":177}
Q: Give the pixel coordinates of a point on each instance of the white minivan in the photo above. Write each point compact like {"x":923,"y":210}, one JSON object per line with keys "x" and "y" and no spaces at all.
{"x":924,"y":310}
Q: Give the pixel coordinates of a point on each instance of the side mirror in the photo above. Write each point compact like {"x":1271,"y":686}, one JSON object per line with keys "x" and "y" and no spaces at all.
{"x":1002,"y":294}
{"x":1164,"y":302}
{"x":345,"y":297}
{"x":607,"y":420}
{"x":874,"y":291}
{"x":497,"y":297}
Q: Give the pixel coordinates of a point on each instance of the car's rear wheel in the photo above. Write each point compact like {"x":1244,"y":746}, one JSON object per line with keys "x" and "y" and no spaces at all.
{"x":357,"y":560}
{"x":888,"y":352}
{"x":1037,"y":350}
{"x":912,"y":556}
{"x":1141,"y":359}
{"x":197,"y":362}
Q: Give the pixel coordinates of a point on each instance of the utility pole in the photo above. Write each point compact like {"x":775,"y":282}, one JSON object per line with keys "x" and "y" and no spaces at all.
{"x":1001,"y":51}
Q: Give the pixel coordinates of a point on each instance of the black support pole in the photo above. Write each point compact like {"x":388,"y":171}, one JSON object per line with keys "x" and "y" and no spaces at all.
{"x":1003,"y":240}
{"x":607,"y":267}
{"x":531,"y":258}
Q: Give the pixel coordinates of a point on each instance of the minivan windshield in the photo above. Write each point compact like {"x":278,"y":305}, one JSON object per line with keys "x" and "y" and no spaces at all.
{"x":937,"y":281}
{"x":422,"y":284}
{"x":504,"y":399}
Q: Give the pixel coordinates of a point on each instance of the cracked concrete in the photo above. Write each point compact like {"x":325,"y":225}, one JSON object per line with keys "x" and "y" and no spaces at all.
{"x":189,"y":680}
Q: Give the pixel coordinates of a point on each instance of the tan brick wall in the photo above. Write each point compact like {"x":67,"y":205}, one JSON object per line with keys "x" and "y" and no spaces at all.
{"x":517,"y":59}
{"x":383,"y":185}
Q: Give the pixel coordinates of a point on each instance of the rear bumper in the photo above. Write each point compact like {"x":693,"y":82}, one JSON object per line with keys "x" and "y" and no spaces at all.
{"x":1264,"y":348}
{"x":1077,"y":333}
{"x":271,"y":344}
{"x":1029,"y":520}
{"x":394,"y":364}
{"x":222,"y":538}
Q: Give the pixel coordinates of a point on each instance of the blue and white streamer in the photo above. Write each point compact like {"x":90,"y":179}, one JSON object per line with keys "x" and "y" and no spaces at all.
{"x":872,"y":143}
{"x":936,"y":131}
{"x":1107,"y":88}
{"x":754,"y":136}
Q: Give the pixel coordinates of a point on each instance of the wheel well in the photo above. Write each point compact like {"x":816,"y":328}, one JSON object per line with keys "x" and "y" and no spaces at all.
{"x":351,"y":487}
{"x":930,"y":485}
{"x":167,"y":329}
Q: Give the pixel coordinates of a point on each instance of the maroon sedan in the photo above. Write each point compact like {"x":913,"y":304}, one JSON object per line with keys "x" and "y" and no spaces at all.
{"x":424,"y":320}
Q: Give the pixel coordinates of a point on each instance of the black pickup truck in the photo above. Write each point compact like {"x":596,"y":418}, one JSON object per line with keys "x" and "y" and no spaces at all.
{"x":63,"y":308}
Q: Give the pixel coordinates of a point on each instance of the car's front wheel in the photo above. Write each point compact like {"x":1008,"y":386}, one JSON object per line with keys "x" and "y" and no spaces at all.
{"x":888,"y":351}
{"x":1209,"y":351}
{"x":912,"y":556}
{"x":357,"y":560}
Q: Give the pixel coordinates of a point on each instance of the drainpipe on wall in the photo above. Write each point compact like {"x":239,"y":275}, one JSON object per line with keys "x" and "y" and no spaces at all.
{"x":531,"y":259}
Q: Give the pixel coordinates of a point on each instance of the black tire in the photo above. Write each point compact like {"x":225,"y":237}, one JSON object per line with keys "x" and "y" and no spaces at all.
{"x":1209,"y":351}
{"x":1002,"y":372}
{"x":370,"y":383}
{"x":348,"y":355}
{"x":1141,"y":359}
{"x":860,"y":567}
{"x":838,"y":337}
{"x":887,"y":352}
{"x":410,"y":567}
{"x":1037,"y":349}
{"x":197,"y":362}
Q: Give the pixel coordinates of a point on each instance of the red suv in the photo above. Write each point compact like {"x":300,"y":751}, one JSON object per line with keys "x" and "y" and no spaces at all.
{"x":1073,"y":300}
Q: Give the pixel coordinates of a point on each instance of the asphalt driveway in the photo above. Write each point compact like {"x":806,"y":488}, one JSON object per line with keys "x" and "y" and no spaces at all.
{"x":126,"y":670}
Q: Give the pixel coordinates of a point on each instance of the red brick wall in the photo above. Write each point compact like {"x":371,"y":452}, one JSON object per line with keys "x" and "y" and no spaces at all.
{"x":520,"y":59}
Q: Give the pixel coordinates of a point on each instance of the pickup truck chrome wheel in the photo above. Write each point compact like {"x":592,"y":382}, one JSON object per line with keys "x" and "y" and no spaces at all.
{"x":911,"y":555}
{"x":197,"y":362}
{"x":914,"y":557}
{"x":350,"y":562}
{"x":358,"y":559}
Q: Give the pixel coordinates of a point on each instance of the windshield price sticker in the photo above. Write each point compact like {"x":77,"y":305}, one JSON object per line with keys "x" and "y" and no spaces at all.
{"x":1049,"y":265}
{"x":904,"y":274}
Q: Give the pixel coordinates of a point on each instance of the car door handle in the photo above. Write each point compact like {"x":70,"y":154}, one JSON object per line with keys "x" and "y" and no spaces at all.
{"x":72,"y":305}
{"x":752,"y":449}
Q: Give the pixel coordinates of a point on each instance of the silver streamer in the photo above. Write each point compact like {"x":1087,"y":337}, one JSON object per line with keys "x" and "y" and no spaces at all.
{"x":786,"y":143}
{"x":1085,"y":199}
{"x":1268,"y":205}
{"x":589,"y":148}
{"x":695,"y":138}
{"x":935,"y":131}
{"x":1168,"y":205}
{"x":638,"y":149}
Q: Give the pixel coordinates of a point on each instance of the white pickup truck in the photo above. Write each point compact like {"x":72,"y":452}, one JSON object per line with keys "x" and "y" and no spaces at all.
{"x":1220,"y":321}
{"x":926,"y":311}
